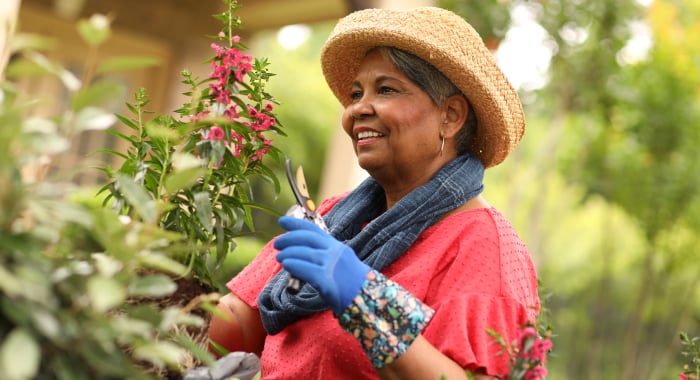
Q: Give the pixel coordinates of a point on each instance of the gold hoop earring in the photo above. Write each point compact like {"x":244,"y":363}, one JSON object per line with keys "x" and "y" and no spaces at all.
{"x":442,"y":145}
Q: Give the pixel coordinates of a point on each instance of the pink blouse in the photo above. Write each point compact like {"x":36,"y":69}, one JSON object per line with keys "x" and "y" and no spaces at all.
{"x":471,"y":267}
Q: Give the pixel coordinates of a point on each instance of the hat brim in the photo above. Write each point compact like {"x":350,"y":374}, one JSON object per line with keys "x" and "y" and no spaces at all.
{"x":449,"y":43}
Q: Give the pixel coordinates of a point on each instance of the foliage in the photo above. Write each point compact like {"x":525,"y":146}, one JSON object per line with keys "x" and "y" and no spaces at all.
{"x":636,"y":147}
{"x":691,"y":350}
{"x":527,"y":354}
{"x":529,"y":351}
{"x":82,"y":288}
{"x":192,"y":174}
{"x":490,"y":20}
{"x":310,"y":114}
{"x":602,"y":185}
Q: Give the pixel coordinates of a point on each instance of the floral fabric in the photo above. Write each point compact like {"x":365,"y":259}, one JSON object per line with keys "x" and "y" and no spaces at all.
{"x":385,"y":319}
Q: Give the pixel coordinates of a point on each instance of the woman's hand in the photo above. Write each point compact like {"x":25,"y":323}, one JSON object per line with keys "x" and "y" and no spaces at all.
{"x":314,"y":256}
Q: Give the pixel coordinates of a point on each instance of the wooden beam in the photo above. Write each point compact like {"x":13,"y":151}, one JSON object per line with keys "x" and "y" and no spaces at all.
{"x":258,"y":15}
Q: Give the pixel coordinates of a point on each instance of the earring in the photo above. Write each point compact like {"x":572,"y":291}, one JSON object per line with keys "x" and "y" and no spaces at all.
{"x":442,"y":144}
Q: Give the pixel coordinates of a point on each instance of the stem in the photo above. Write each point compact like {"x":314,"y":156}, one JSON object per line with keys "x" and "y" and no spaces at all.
{"x":163,"y":171}
{"x":139,"y":120}
{"x":229,"y":18}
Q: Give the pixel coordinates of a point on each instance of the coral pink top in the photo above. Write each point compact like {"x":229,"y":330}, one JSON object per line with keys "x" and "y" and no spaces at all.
{"x":470,"y":267}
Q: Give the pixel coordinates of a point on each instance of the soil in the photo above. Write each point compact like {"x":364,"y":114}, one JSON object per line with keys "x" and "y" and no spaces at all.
{"x":188,"y":289}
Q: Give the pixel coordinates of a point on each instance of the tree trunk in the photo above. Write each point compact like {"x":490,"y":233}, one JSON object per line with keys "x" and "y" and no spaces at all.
{"x":636,"y":322}
{"x":9,"y":9}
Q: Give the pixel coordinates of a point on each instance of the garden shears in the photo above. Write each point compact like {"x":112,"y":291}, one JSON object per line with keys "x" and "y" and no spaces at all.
{"x":305,"y":208}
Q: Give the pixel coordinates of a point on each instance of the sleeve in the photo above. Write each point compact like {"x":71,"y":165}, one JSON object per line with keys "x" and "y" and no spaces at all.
{"x":460,"y":326}
{"x":249,"y":282}
{"x":490,"y":284}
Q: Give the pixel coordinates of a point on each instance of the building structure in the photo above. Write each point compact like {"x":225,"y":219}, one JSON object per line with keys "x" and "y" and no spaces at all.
{"x":174,"y":32}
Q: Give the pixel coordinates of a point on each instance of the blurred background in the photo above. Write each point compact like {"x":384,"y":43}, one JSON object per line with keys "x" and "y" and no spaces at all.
{"x":603,"y":188}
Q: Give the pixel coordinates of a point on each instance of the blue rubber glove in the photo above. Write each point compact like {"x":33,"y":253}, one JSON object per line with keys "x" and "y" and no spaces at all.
{"x":314,"y":256}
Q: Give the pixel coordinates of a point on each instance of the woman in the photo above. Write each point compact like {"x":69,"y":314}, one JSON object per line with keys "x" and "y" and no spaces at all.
{"x":417,"y":266}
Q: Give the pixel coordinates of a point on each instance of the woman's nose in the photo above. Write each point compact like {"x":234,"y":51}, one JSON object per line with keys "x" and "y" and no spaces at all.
{"x":361,"y":108}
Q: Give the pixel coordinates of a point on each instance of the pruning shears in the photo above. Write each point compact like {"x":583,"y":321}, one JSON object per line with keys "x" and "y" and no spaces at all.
{"x":305,"y":208}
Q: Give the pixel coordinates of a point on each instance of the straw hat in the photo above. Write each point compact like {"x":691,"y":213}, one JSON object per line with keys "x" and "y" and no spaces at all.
{"x":449,"y":43}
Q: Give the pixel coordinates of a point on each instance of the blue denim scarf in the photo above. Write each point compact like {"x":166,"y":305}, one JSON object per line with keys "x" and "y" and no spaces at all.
{"x":384,"y":239}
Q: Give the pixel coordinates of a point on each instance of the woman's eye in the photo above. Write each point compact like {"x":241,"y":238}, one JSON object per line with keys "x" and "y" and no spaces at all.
{"x":356,"y":95}
{"x":386,"y":90}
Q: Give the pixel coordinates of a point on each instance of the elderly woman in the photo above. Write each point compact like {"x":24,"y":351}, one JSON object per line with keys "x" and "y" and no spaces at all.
{"x":417,"y":266}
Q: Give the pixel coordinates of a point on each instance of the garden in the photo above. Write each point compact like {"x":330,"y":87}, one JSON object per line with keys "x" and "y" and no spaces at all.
{"x":119,"y":280}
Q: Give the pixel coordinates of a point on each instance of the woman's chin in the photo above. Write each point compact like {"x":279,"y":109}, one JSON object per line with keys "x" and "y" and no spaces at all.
{"x":368,"y":163}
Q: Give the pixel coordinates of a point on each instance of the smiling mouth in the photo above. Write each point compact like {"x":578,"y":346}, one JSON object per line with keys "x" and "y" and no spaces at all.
{"x":367,"y":135}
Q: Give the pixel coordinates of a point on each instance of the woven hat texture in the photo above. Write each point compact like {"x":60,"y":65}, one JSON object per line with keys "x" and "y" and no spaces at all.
{"x":445,"y":40}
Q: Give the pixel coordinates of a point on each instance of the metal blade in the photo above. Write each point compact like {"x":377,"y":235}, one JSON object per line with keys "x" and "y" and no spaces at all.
{"x":301,"y":182}
{"x":303,"y":189}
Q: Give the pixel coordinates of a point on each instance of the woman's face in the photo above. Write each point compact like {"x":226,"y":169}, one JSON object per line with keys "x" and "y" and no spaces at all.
{"x":393,"y":124}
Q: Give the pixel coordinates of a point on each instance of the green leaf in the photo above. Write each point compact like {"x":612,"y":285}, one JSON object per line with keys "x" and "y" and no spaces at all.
{"x":27,"y":41}
{"x":127,"y":63}
{"x":204,"y":213}
{"x":93,"y":118}
{"x":160,"y":353}
{"x":160,"y":132}
{"x":9,"y":283}
{"x":126,"y":326}
{"x":195,"y":348}
{"x":139,"y":199}
{"x":113,"y":152}
{"x":221,"y":249}
{"x":152,"y":286}
{"x":20,"y":355}
{"x":128,"y":122}
{"x":105,"y":293}
{"x":174,"y":316}
{"x":65,"y":367}
{"x":107,"y":265}
{"x":183,"y":179}
{"x":101,"y":92}
{"x":46,"y":323}
{"x":23,"y":67}
{"x":38,"y":64}
{"x":182,"y":161}
{"x":95,"y":30}
{"x":42,"y":136}
{"x":164,"y":263}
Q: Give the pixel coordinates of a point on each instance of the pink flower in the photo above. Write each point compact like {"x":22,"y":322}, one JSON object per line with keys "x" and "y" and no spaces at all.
{"x":536,"y":373}
{"x":527,"y":332}
{"x":216,"y":133}
{"x":236,"y":150}
{"x":527,"y":353}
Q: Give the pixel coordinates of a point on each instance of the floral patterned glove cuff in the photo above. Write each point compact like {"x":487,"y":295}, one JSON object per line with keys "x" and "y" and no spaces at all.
{"x":385,"y":318}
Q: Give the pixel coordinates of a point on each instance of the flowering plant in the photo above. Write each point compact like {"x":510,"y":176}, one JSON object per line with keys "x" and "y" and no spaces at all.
{"x":691,"y":371}
{"x":527,"y":354}
{"x":190,"y":173}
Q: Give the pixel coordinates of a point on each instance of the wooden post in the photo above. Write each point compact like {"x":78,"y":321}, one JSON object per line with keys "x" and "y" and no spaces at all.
{"x":9,"y":9}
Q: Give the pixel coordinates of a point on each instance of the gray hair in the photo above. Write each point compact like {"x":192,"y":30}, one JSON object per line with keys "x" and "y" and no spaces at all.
{"x":436,"y":85}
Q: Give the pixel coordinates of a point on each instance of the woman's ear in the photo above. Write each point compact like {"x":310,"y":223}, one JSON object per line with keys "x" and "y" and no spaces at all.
{"x":456,"y":110}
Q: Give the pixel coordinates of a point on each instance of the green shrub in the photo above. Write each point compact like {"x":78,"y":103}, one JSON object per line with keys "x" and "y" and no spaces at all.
{"x":84,"y":285}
